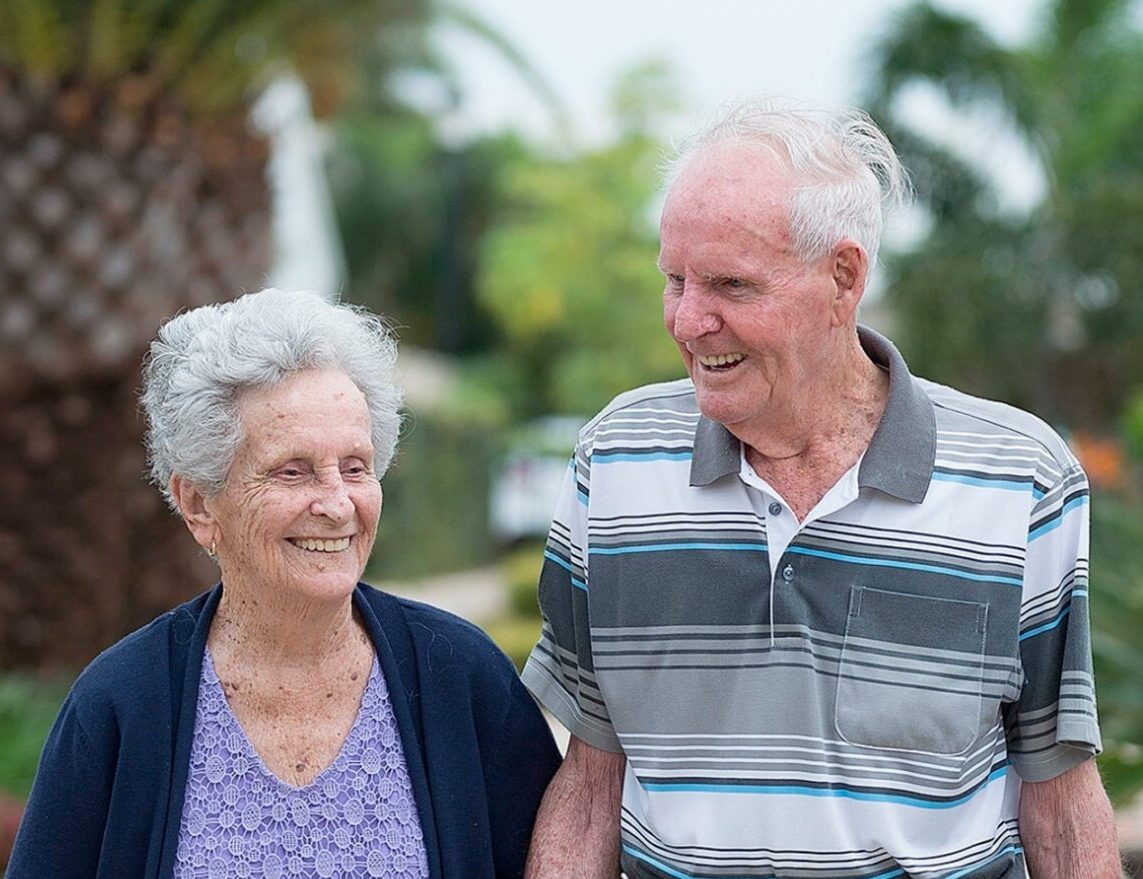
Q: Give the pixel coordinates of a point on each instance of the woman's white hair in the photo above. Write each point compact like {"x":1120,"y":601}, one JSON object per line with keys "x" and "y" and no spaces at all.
{"x":203,"y":359}
{"x":847,"y":166}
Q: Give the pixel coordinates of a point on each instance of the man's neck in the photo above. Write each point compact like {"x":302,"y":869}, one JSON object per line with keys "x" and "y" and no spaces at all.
{"x":844,"y":407}
{"x":804,"y":453}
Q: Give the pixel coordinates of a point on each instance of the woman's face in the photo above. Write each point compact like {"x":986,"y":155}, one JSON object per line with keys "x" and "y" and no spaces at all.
{"x":298,"y":514}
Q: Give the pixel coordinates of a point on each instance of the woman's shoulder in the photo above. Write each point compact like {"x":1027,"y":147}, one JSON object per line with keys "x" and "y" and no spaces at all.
{"x":441,"y":634}
{"x":142,"y":660}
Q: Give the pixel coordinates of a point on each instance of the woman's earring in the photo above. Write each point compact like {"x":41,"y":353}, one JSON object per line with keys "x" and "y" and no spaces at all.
{"x":213,"y":551}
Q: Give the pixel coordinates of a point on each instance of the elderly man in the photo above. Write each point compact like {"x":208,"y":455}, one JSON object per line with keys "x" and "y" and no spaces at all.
{"x":807,"y":615}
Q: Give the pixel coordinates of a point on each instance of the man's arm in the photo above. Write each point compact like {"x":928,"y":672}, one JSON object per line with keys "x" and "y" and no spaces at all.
{"x":577,"y":828}
{"x":1068,"y":828}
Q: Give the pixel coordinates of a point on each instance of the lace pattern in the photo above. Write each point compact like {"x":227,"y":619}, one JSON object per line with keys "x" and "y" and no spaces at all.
{"x":240,"y":821}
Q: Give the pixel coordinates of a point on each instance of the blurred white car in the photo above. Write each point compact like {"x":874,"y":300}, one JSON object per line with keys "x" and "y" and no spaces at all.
{"x":526,"y":480}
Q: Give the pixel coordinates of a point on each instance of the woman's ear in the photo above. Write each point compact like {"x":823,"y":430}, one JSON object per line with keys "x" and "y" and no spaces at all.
{"x":195,"y":512}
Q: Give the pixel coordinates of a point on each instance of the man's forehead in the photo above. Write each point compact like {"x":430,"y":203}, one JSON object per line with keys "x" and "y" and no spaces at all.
{"x":725,"y":201}
{"x":734,"y":184}
{"x":755,"y":166}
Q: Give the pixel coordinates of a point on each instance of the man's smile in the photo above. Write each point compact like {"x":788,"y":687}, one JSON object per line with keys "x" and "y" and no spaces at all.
{"x":720,"y":361}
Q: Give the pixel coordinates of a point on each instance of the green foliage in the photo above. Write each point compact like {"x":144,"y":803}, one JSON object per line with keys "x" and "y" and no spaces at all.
{"x":516,"y":636}
{"x":411,"y":213}
{"x":568,"y":272}
{"x":1117,"y":608}
{"x":28,"y":706}
{"x":942,"y":331}
{"x":1133,"y":424}
{"x":1044,"y":310}
{"x":211,"y":53}
{"x":33,"y":36}
{"x":522,"y":570}
{"x":435,"y":513}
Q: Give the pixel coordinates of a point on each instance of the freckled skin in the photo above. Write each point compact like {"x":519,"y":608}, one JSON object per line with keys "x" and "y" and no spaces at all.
{"x":293,"y":659}
{"x":304,"y":470}
{"x":803,"y":398}
{"x":734,"y":286}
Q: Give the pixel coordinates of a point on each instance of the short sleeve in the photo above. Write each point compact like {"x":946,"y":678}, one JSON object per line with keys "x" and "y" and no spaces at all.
{"x":560,"y":671}
{"x":1053,"y":725}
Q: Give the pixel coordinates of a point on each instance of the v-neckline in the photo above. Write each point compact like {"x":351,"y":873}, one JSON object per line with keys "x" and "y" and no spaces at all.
{"x":251,"y":752}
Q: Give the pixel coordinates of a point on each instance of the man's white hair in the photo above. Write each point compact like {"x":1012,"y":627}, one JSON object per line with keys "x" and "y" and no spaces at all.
{"x":847,"y":167}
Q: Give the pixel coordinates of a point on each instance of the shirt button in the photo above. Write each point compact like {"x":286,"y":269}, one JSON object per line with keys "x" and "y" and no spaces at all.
{"x":775,"y":508}
{"x":788,"y":573}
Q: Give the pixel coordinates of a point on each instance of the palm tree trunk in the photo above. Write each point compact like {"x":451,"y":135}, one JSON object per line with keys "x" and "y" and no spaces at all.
{"x":116,"y":211}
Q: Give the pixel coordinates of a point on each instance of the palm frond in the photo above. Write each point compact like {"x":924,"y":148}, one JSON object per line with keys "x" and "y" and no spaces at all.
{"x":955,"y":54}
{"x":464,"y":18}
{"x":34,"y":36}
{"x":213,"y":53}
{"x":118,"y":35}
{"x":1071,"y":22}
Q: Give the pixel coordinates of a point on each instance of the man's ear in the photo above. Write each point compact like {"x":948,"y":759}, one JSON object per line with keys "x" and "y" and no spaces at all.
{"x":195,"y":511}
{"x":850,"y":272}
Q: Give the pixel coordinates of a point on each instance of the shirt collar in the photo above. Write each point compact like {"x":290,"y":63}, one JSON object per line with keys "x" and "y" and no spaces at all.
{"x":899,"y":460}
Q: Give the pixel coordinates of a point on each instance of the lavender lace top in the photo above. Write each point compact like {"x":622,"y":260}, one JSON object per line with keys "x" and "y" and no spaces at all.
{"x":356,"y":819}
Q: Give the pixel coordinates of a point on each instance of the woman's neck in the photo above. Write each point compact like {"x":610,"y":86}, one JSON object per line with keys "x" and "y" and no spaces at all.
{"x":262,"y":628}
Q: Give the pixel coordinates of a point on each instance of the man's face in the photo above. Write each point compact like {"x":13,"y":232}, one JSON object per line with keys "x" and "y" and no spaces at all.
{"x":751,"y":320}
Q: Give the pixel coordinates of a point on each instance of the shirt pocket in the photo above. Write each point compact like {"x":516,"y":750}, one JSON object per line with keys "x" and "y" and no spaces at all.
{"x":910,"y":673}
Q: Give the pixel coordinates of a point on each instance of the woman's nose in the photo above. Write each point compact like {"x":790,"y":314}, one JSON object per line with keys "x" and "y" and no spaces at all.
{"x":333,"y":501}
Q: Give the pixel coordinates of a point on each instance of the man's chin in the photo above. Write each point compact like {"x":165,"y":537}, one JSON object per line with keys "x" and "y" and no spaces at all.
{"x":720,"y":407}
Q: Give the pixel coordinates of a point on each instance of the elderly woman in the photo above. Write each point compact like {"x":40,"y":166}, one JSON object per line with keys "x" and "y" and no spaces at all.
{"x":292,"y":721}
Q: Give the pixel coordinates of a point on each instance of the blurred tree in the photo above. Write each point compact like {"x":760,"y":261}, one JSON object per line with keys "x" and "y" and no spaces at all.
{"x":413,"y":199}
{"x":130,"y":185}
{"x":412,"y":211}
{"x":1044,"y":309}
{"x":568,"y":270}
{"x":1117,"y":613}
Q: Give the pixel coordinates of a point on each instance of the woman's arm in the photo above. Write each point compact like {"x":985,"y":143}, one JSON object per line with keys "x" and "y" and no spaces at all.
{"x":577,"y":829}
{"x":61,"y":833}
{"x":527,"y":759}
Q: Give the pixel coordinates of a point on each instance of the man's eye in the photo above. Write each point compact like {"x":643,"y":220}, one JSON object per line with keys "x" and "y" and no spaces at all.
{"x":675,"y":282}
{"x":733,"y":283}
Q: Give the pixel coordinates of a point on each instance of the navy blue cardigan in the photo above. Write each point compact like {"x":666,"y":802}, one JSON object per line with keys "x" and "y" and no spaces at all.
{"x":108,"y":797}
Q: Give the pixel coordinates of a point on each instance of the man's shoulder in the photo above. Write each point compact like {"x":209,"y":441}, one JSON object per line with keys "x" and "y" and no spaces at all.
{"x":960,"y":413}
{"x":649,"y":402}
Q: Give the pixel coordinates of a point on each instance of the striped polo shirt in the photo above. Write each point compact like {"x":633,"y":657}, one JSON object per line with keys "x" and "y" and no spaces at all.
{"x":859,"y":699}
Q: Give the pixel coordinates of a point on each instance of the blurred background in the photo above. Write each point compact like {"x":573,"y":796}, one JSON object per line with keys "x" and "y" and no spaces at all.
{"x":484,"y":172}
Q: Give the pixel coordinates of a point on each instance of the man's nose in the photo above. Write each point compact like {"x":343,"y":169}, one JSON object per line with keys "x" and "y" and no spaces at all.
{"x":694,"y":315}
